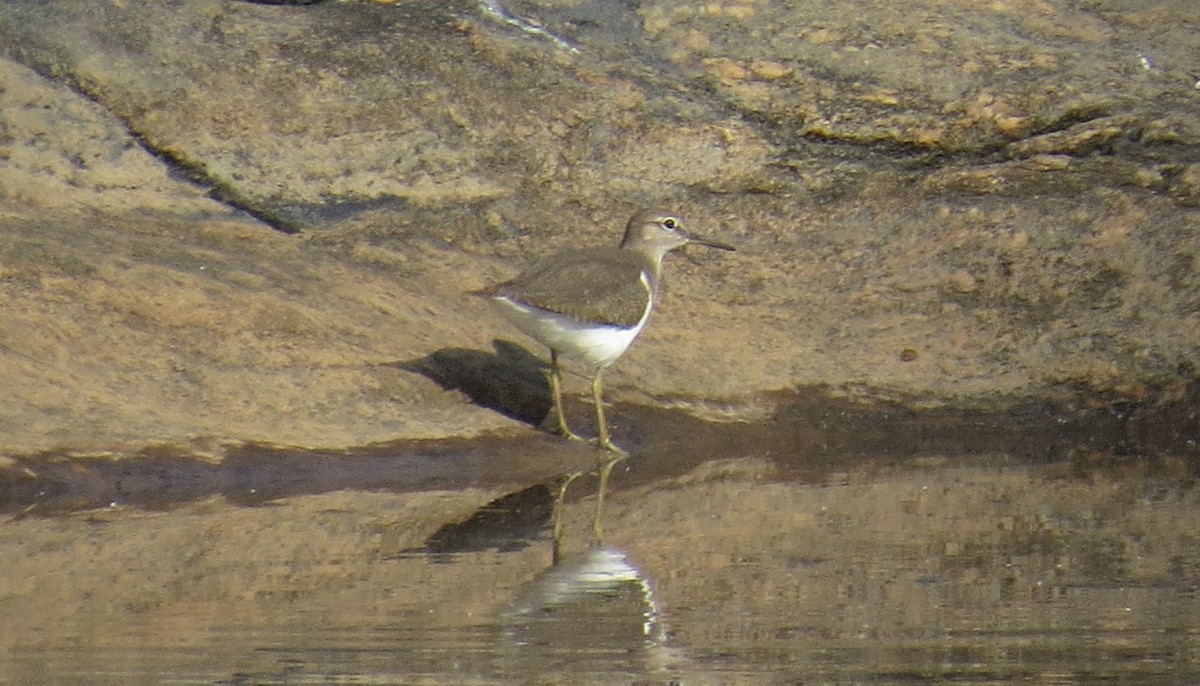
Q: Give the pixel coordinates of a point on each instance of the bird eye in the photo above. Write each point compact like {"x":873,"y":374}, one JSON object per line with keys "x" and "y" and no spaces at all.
{"x":670,"y":223}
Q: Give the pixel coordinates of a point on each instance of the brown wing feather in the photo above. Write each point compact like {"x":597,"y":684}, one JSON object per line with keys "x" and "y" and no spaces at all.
{"x":600,"y":285}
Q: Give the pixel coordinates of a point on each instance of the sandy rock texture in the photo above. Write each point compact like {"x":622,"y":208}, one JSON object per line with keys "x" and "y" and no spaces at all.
{"x":231,"y":221}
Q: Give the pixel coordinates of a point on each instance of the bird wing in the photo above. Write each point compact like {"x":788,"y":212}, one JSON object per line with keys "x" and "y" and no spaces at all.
{"x":604,"y":286}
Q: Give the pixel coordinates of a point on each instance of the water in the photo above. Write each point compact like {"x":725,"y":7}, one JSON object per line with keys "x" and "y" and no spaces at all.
{"x":982,"y":569}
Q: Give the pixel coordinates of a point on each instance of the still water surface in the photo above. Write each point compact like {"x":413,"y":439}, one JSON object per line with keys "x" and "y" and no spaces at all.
{"x":985,"y":569}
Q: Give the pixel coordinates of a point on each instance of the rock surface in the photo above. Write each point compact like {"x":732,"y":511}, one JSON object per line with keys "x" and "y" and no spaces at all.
{"x":228,"y":221}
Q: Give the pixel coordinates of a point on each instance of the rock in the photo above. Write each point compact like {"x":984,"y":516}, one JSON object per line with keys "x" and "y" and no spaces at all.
{"x":240,"y":221}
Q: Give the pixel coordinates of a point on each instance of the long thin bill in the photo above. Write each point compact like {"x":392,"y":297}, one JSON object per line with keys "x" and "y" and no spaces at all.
{"x":700,"y":240}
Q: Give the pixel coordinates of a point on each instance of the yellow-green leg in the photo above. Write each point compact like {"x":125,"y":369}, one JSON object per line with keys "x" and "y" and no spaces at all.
{"x":556,"y":392}
{"x":556,"y":516}
{"x":597,"y":522}
{"x":598,"y":399}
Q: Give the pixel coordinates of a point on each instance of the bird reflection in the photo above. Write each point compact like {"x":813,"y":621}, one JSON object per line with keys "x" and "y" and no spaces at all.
{"x":512,"y":522}
{"x":593,"y":605}
{"x":603,"y":472}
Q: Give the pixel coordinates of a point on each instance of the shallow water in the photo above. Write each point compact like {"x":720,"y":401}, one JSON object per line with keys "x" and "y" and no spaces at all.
{"x":982,"y":569}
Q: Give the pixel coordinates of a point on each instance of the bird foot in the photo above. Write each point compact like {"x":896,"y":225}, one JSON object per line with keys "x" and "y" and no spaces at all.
{"x":604,"y":443}
{"x":563,"y":430}
{"x":571,"y":436}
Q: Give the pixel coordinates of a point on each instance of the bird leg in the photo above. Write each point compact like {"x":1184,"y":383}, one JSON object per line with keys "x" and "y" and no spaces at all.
{"x":556,"y":392}
{"x":597,"y":521}
{"x":598,"y":399}
{"x":556,"y":516}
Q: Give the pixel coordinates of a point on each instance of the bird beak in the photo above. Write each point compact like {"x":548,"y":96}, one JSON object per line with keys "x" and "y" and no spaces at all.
{"x":708,"y":242}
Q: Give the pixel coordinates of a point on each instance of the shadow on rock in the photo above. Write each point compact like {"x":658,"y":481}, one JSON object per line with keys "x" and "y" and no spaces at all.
{"x":510,"y":381}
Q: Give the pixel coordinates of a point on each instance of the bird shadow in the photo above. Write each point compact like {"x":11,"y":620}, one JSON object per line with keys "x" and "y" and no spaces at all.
{"x":509,"y":523}
{"x":511,"y":380}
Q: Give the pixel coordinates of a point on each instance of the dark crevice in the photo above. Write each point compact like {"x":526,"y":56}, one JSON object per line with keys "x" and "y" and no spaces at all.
{"x":190,"y":170}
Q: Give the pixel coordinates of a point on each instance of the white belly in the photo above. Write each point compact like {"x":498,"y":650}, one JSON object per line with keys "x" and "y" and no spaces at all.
{"x":597,"y":344}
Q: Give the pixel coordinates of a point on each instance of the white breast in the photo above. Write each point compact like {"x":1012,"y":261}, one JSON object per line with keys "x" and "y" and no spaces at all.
{"x":597,"y":344}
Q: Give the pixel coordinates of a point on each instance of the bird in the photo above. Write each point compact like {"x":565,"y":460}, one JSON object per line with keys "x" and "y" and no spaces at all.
{"x":590,"y":304}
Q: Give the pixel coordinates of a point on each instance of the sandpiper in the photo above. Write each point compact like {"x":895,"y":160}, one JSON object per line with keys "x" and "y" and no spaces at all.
{"x":591,"y":304}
